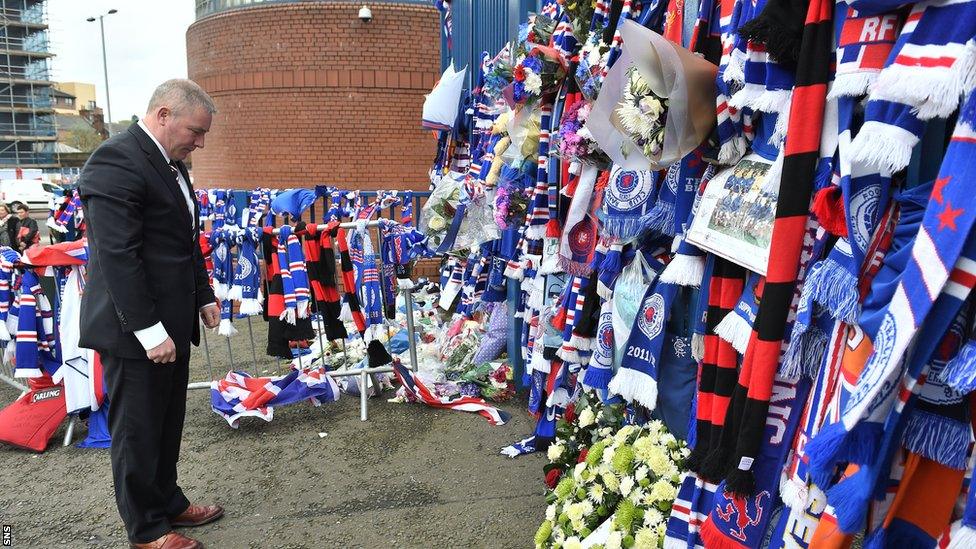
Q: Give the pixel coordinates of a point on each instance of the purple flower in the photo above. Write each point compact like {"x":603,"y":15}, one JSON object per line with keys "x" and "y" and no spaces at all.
{"x":518,"y":92}
{"x":470,"y":389}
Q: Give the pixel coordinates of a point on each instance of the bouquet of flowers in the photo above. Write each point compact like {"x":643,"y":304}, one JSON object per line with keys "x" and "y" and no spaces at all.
{"x":642,"y":114}
{"x":538,"y":30}
{"x":438,"y":212}
{"x":492,"y":381}
{"x":537,"y":74}
{"x":585,"y":422}
{"x":580,"y":13}
{"x":512,"y":195}
{"x":593,"y":57}
{"x":629,"y":478}
{"x":575,"y":140}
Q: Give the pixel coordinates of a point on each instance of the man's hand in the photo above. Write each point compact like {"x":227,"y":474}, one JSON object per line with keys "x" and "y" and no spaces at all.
{"x":163,"y":353}
{"x":211,"y":315}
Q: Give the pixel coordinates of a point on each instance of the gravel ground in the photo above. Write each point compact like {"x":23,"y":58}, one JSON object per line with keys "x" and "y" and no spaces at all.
{"x":411,"y":476}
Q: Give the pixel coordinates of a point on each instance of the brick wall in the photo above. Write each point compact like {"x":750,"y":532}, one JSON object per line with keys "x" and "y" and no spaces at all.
{"x":309,"y":94}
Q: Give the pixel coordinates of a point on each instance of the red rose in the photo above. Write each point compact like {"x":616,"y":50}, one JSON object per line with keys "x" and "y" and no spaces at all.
{"x":582,"y":456}
{"x":552,"y":478}
{"x":519,"y":73}
{"x":570,"y":414}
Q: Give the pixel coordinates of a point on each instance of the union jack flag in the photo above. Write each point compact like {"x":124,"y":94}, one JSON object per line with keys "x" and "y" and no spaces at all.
{"x":417,"y":391}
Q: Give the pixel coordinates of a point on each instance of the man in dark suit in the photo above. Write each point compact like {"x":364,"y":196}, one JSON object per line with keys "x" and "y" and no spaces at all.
{"x":147,"y":289}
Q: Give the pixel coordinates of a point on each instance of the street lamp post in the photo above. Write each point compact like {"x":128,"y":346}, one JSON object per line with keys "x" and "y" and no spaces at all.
{"x":108,"y":102}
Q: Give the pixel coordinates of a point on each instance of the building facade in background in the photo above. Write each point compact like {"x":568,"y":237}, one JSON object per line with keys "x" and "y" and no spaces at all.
{"x":27,"y":128}
{"x":83,"y":93}
{"x":310,"y":94}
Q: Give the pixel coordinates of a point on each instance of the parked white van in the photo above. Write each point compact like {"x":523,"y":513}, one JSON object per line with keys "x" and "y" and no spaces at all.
{"x":37,"y":194}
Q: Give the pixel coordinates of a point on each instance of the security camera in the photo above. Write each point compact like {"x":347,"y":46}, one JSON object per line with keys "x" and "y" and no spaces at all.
{"x":365,"y":14}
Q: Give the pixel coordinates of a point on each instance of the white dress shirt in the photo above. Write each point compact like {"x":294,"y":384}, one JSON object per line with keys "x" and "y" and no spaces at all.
{"x":156,"y":334}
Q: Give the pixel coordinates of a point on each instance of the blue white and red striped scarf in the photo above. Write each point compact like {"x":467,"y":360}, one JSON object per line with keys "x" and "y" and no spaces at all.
{"x":945,"y":229}
{"x":34,"y":351}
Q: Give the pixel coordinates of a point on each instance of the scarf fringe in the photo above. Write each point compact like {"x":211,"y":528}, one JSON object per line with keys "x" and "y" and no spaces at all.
{"x":605,"y":292}
{"x":774,"y":175}
{"x":938,"y":438}
{"x":623,"y":227}
{"x":794,"y":495}
{"x":849,"y":499}
{"x":698,"y":346}
{"x":735,"y":70}
{"x":4,"y":332}
{"x":675,"y":543}
{"x":834,"y":287}
{"x":715,"y":465}
{"x":303,"y":309}
{"x":251,"y":306}
{"x":288,"y":315}
{"x":635,"y":386}
{"x":960,"y":372}
{"x":740,"y":483}
{"x":345,"y":313}
{"x":933,"y":94}
{"x":581,"y":343}
{"x":536,"y":300}
{"x":855,"y":84}
{"x":713,"y":538}
{"x":963,"y":538}
{"x":235,"y":293}
{"x":834,"y":444}
{"x":735,"y":330}
{"x":597,"y":378}
{"x":660,"y":219}
{"x":684,"y":270}
{"x":782,"y":46}
{"x":226,"y":328}
{"x":516,"y":272}
{"x":576,"y":268}
{"x":535,"y":232}
{"x":568,"y":354}
{"x":883,"y":146}
{"x":782,"y":124}
{"x":220,"y":290}
{"x":53,"y":225}
{"x":805,"y":354}
{"x":732,"y":150}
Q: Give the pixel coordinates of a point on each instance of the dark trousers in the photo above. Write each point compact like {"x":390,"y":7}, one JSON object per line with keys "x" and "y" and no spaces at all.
{"x":148,"y":404}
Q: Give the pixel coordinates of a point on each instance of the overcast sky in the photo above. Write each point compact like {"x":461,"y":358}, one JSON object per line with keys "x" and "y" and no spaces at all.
{"x":145,"y":43}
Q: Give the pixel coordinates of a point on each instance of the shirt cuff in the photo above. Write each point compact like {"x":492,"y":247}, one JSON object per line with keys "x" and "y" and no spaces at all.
{"x":211,"y":304}
{"x":152,"y":336}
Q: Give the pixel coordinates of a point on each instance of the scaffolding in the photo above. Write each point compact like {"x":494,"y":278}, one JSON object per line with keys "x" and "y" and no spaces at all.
{"x":27,"y":128}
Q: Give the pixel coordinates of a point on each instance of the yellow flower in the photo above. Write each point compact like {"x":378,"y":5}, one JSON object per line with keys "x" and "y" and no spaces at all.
{"x":611,"y":481}
{"x":658,"y":461}
{"x":586,"y":418}
{"x":646,"y":538}
{"x":437,"y":223}
{"x":663,"y":491}
{"x":573,"y":543}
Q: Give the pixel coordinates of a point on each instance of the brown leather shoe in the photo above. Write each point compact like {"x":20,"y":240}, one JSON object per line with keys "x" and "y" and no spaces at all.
{"x":197,"y":515}
{"x":171,"y":540}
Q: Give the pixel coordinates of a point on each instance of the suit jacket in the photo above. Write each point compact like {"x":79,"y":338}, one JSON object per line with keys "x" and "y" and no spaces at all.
{"x":145,"y":264}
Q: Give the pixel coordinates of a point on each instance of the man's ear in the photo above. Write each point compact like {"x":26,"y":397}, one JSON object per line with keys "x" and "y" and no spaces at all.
{"x":163,"y":115}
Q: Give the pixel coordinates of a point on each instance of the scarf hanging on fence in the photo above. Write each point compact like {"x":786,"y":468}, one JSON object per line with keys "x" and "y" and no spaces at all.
{"x":750,"y":400}
{"x":636,"y":380}
{"x":930,"y":431}
{"x":222,"y":260}
{"x":629,"y":196}
{"x":280,"y":333}
{"x":247,"y":276}
{"x":293,"y":275}
{"x":965,"y":536}
{"x":34,"y":350}
{"x":922,"y":507}
{"x":65,"y":214}
{"x":736,"y":327}
{"x":717,"y":372}
{"x":585,"y":327}
{"x":933,"y":60}
{"x":599,"y":372}
{"x":742,"y":520}
{"x":226,"y":327}
{"x":938,"y":244}
{"x":687,"y":267}
{"x":575,"y":295}
{"x":348,"y":280}
{"x":219,"y":209}
{"x":863,"y":46}
{"x":203,"y":200}
{"x":538,"y":215}
{"x":688,"y":512}
{"x":329,"y":305}
{"x":580,"y":237}
{"x":8,"y":257}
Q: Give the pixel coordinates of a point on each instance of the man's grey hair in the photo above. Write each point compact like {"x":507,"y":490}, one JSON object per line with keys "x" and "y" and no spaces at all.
{"x":180,"y":95}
